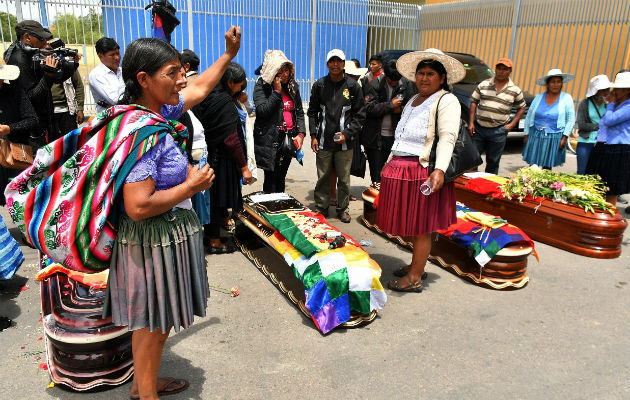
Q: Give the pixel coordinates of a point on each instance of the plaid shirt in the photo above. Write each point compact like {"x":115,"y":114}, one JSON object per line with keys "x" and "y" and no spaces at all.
{"x":494,"y":109}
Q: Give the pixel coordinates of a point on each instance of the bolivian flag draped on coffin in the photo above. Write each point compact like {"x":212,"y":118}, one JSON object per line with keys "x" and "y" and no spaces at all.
{"x":336,"y":282}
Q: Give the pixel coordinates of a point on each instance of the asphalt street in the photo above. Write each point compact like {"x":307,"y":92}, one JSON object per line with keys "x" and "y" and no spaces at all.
{"x":564,"y":336}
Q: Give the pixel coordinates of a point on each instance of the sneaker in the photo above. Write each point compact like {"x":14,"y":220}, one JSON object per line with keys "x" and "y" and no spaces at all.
{"x":344,"y":217}
{"x":622,"y":200}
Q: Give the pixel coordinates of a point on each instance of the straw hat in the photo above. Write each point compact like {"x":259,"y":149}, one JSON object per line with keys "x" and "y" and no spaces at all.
{"x":596,"y":84}
{"x":351,"y":69}
{"x":555,"y":72}
{"x":9,"y":72}
{"x":622,"y":81}
{"x":407,"y":64}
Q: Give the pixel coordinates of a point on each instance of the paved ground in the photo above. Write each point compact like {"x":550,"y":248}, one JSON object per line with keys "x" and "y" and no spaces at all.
{"x":564,"y":336}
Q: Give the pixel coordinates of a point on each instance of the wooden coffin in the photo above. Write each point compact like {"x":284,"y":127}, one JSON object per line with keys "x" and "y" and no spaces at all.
{"x":507,"y":270}
{"x":83,"y":349}
{"x":568,"y":227}
{"x":251,"y":236}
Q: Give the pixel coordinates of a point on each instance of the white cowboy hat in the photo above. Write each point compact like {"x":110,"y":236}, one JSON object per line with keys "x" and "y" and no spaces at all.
{"x":407,"y":64}
{"x":9,"y":72}
{"x":351,"y":69}
{"x":555,"y":72}
{"x":596,"y":84}
{"x":622,"y":81}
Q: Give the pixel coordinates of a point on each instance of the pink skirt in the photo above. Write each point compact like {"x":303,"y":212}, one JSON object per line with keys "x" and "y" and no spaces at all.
{"x":403,"y":210}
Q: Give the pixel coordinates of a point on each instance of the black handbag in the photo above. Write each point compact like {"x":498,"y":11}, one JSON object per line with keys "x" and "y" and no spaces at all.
{"x":357,"y":168}
{"x":465,"y":154}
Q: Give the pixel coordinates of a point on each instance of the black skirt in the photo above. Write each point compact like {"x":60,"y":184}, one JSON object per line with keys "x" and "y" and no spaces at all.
{"x":612,"y":163}
{"x":226,"y":189}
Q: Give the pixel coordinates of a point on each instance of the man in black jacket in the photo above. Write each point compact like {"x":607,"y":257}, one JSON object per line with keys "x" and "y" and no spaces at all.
{"x":37,"y":80}
{"x":392,"y":94}
{"x":336,"y":115}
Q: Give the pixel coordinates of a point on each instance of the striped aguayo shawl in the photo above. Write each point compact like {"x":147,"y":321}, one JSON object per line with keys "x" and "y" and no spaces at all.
{"x":65,"y":203}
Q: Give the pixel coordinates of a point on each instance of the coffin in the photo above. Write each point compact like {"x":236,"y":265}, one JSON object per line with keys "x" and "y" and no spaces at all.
{"x":566,"y":226}
{"x":258,"y":239}
{"x":507,"y":270}
{"x":83,"y":350}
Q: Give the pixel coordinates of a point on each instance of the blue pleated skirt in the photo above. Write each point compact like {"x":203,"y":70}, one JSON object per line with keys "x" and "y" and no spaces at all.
{"x":542,"y":149}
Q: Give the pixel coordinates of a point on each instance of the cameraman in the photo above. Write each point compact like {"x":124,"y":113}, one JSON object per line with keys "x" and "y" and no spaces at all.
{"x":37,"y":78}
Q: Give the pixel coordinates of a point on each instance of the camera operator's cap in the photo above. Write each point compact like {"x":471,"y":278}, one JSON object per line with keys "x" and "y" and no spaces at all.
{"x":505,"y":61}
{"x":9,"y":72}
{"x":335,"y":53}
{"x":597,"y":83}
{"x":34,"y":28}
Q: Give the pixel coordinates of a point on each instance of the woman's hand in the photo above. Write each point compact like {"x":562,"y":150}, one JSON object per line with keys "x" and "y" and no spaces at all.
{"x":437,"y":180}
{"x":233,"y":41}
{"x":299,"y":139}
{"x":248,"y":179}
{"x":200,"y":179}
{"x":277,"y":84}
{"x":563,"y":142}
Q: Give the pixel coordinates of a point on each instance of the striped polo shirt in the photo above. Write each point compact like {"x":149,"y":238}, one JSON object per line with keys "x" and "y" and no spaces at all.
{"x":493,"y":109}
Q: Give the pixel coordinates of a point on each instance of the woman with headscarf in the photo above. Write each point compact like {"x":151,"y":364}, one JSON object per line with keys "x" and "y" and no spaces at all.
{"x":226,"y":152}
{"x":549,"y":122}
{"x":279,"y":119}
{"x":590,"y":111}
{"x":610,"y":158}
{"x":403,"y":209}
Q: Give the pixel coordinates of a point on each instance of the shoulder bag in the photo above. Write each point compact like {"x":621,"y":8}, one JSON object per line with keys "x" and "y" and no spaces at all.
{"x":15,"y":155}
{"x":465,"y":154}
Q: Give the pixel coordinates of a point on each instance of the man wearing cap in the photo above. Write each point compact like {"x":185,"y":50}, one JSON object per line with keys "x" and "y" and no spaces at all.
{"x":336,"y":115}
{"x":490,"y":109}
{"x":106,"y":82}
{"x":36,"y":82}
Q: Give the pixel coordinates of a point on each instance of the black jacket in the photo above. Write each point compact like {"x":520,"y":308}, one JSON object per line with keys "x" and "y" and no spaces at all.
{"x":37,"y":86}
{"x":381,"y":105}
{"x":17,"y":112}
{"x":269,"y":118}
{"x":336,"y":107}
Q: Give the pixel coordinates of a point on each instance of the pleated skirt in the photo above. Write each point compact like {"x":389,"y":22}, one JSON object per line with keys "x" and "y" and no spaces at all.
{"x":612,"y":163}
{"x":403,"y":210}
{"x":542,"y":149}
{"x":157,"y":275}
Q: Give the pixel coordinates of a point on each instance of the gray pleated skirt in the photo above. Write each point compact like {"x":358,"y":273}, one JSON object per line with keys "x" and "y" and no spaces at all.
{"x":157,"y":275}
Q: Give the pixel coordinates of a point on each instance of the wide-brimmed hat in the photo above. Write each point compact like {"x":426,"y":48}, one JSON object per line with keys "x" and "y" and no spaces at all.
{"x":597,"y":83}
{"x":622,"y":81}
{"x":407,"y":64}
{"x":351,"y":69}
{"x":555,"y":72}
{"x":9,"y":72}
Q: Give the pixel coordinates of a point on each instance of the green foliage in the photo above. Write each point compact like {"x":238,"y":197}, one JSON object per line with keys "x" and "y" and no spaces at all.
{"x":7,"y":23}
{"x":78,"y":30}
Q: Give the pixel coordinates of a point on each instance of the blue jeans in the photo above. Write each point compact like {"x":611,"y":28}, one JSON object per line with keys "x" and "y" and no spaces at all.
{"x":492,"y":141}
{"x":583,"y":152}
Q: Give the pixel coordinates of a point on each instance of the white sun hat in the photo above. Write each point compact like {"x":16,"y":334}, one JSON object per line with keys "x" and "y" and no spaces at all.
{"x":596,"y":84}
{"x":555,"y":72}
{"x":351,"y":69}
{"x":407,"y":64}
{"x":9,"y":72}
{"x":622,"y":81}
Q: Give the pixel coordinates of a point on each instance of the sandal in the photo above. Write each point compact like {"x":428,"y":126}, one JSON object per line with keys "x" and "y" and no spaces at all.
{"x":415,"y":287}
{"x":221,"y":250}
{"x":333,"y":203}
{"x":176,"y":385}
{"x":400,"y":272}
{"x":229,"y":224}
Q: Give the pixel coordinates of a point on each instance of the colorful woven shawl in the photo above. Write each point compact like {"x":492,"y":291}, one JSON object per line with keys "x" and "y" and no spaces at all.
{"x":65,"y":203}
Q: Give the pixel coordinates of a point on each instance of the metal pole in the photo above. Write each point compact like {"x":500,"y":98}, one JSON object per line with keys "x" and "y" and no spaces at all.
{"x":517,"y":10}
{"x":18,"y":10}
{"x":313,"y":32}
{"x":42,"y":11}
{"x":191,"y":39}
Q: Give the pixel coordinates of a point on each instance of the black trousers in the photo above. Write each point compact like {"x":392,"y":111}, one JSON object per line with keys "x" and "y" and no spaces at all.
{"x":275,"y":180}
{"x":64,"y":122}
{"x":374,"y":156}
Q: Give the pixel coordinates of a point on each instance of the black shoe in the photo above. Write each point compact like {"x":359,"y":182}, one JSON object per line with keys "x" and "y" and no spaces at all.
{"x":221,"y":250}
{"x":323,"y":212}
{"x":344,"y":217}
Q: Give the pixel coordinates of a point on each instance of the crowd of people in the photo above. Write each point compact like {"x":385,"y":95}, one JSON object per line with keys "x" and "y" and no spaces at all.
{"x":178,"y":193}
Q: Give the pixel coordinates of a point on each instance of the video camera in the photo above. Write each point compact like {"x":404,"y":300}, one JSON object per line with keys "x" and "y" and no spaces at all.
{"x":65,"y":56}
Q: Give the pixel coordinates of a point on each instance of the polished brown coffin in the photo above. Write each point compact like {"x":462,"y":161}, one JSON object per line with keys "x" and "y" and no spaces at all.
{"x":568,"y":227}
{"x":507,"y":270}
{"x":83,"y":349}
